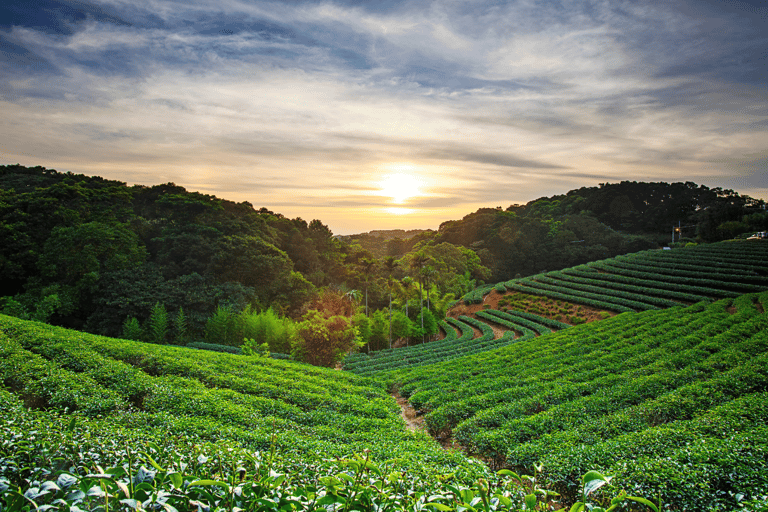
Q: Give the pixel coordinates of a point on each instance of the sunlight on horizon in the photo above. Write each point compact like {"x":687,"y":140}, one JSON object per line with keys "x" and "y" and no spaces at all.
{"x":396,"y":210}
{"x":400,"y":186}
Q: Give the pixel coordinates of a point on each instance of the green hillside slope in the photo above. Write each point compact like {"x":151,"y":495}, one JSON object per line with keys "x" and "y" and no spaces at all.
{"x":672,"y":402}
{"x":75,"y":404}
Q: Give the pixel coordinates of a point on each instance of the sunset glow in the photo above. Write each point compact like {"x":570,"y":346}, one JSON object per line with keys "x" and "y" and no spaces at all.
{"x":400,"y":187}
{"x":329,"y":109}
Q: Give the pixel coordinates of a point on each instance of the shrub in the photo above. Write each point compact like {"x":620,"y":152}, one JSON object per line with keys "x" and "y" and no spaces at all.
{"x":132,"y":330}
{"x":158,"y":324}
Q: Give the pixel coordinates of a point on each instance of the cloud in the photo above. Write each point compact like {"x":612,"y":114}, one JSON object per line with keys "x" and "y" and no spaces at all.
{"x":495,"y":159}
{"x":251,"y":100}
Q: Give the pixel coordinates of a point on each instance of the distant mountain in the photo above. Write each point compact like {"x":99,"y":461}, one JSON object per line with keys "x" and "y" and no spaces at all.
{"x":389,"y":242}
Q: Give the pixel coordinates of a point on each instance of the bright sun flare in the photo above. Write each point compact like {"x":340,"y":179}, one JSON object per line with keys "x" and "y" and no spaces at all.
{"x":400,"y":187}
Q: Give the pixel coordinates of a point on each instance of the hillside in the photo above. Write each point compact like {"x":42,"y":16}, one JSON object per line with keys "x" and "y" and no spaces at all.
{"x":78,"y":407}
{"x":670,"y":401}
{"x":590,"y":355}
{"x":667,"y":390}
{"x":511,"y":312}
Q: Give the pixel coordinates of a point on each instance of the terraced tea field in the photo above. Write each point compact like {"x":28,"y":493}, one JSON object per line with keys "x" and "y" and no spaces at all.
{"x":75,"y":404}
{"x":672,"y":401}
{"x":667,"y":392}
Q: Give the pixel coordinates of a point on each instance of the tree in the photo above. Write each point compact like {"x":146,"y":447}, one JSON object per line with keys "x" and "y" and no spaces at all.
{"x":367,"y":266}
{"x":218,"y":326}
{"x":402,"y":326}
{"x":390,"y":264}
{"x":405,"y":287}
{"x":327,"y":331}
{"x":418,"y":261}
{"x":181,"y":330}
{"x":379,"y":324}
{"x":75,"y":258}
{"x":132,"y":329}
{"x":158,"y":324}
{"x":427,"y":274}
{"x":326,"y":338}
{"x":430,"y":324}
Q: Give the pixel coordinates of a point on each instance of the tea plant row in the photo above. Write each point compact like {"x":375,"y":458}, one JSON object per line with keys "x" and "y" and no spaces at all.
{"x":207,"y":396}
{"x":652,"y":279}
{"x":672,"y":402}
{"x":430,"y":353}
{"x":91,"y":423}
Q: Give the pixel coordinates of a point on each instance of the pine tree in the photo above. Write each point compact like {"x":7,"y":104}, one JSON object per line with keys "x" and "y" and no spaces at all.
{"x":181,"y":328}
{"x":158,"y":324}
{"x":132,"y":330}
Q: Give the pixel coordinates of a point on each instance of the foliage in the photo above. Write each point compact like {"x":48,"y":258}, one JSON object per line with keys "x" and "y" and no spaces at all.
{"x":132,"y":329}
{"x":323,"y":339}
{"x":180,"y":328}
{"x":216,"y":348}
{"x":158,"y":324}
{"x":279,"y":333}
{"x":171,"y":428}
{"x":671,"y":402}
{"x":219,"y":327}
{"x":110,"y":252}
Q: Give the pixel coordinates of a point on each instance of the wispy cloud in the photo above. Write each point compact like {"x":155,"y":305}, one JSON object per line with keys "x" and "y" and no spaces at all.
{"x":305,"y":105}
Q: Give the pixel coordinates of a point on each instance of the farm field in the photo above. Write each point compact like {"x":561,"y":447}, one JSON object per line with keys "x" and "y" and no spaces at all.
{"x":668,"y":401}
{"x":76,"y":404}
{"x":667,"y":392}
{"x":656,"y":279}
{"x":604,"y":287}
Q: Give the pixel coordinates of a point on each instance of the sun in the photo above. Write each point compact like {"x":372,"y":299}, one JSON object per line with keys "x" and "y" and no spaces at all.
{"x":400,"y":187}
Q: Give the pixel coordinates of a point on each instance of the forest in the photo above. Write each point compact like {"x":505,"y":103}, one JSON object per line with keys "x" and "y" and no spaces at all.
{"x":163,"y":264}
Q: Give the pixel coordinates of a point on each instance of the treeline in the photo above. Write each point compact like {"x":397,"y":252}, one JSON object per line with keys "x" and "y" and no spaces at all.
{"x":108,"y":251}
{"x":164,"y":264}
{"x":590,"y":223}
{"x":92,"y":254}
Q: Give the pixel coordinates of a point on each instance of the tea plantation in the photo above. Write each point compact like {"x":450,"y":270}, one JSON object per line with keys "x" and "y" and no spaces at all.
{"x":672,"y":402}
{"x":669,"y":398}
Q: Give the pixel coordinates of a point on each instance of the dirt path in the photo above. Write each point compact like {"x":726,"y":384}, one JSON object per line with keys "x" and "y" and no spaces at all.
{"x":413,"y":420}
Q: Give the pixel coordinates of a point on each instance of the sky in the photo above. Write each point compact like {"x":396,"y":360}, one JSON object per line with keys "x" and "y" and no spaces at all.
{"x":388,"y":114}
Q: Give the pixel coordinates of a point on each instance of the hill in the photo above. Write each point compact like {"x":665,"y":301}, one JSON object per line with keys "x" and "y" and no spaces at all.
{"x":89,"y":419}
{"x":670,"y":396}
{"x":389,"y":242}
{"x":671,"y":401}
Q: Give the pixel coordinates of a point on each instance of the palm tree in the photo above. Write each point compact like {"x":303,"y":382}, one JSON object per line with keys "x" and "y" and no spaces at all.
{"x":405,"y":286}
{"x":427,"y":273}
{"x":352,"y":295}
{"x":390,"y":265}
{"x":366,"y":265}
{"x":417,"y":262}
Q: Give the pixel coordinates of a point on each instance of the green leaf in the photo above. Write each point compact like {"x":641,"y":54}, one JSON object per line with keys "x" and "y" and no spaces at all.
{"x":176,"y":479}
{"x":593,"y":481}
{"x":577,"y":507}
{"x":439,"y":506}
{"x":209,"y":483}
{"x":507,"y":472}
{"x":346,"y":478}
{"x":644,"y":502}
{"x":530,"y":501}
{"x":152,"y":462}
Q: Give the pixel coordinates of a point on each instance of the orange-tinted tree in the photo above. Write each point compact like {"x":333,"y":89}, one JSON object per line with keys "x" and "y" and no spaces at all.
{"x":327,"y":332}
